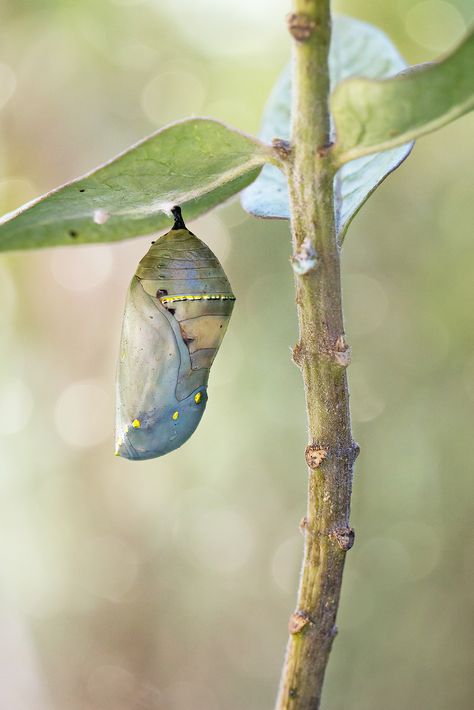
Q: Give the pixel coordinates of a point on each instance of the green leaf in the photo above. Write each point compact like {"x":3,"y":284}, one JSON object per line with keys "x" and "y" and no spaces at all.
{"x":357,"y":49}
{"x":375,"y":115}
{"x":197,"y":163}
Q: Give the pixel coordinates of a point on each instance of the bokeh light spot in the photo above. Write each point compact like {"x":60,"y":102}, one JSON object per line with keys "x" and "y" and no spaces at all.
{"x":16,"y":404}
{"x":82,"y":414}
{"x":469,"y":378}
{"x":15,"y":191}
{"x":7,"y":83}
{"x":286,"y":563}
{"x":456,"y":213}
{"x":366,"y":404}
{"x":234,"y":29}
{"x":82,"y":268}
{"x":30,"y":576}
{"x":386,"y":561}
{"x":172,"y":95}
{"x":435,"y":24}
{"x":366,"y":303}
{"x":184,"y":694}
{"x":110,"y":683}
{"x":8,"y":297}
{"x":359,"y":590}
{"x":422,"y":546}
{"x":221,"y":540}
{"x":125,"y":3}
{"x":108,"y":567}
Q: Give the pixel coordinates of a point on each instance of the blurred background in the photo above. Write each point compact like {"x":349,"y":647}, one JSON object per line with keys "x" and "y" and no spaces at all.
{"x":167,"y":585}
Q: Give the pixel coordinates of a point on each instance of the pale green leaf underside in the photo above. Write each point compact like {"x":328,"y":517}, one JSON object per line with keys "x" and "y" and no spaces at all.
{"x":357,"y":49}
{"x":197,"y":163}
{"x":376,"y":115}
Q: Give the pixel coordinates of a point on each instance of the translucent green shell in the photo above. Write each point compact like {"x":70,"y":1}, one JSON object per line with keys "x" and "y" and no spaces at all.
{"x":176,"y":313}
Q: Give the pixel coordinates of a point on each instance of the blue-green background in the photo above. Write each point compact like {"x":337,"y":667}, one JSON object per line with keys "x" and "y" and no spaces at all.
{"x":167,"y":585}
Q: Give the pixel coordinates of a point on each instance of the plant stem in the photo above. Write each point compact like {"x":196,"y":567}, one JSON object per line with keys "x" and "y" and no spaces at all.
{"x":323,"y":356}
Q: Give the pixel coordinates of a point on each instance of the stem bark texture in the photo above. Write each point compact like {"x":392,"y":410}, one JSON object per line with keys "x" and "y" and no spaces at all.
{"x":323,"y":356}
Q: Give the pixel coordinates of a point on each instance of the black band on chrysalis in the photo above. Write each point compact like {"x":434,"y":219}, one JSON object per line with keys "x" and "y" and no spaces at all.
{"x":178,"y":218}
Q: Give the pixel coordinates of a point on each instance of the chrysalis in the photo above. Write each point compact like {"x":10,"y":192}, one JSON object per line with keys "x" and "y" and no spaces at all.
{"x":176,"y":313}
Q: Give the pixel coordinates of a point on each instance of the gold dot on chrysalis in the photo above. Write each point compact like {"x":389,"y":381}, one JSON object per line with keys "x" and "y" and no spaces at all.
{"x":198,"y":397}
{"x":136,"y":424}
{"x":175,"y":416}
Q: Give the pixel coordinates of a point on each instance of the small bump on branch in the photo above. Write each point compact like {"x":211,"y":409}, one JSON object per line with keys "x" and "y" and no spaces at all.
{"x":301,"y":26}
{"x":305,"y":258}
{"x":315,"y":455}
{"x":344,"y":537}
{"x":342,"y":352}
{"x":298,"y":621}
{"x":324,"y":150}
{"x":297,"y":354}
{"x":282,"y":148}
{"x":355,"y":451}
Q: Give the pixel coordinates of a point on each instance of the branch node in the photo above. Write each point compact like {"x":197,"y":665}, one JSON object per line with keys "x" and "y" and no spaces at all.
{"x":340,"y":344}
{"x":297,"y":354}
{"x":282,"y":148}
{"x":303,"y":524}
{"x":315,"y":455}
{"x":343,"y":359}
{"x":301,"y":26}
{"x":344,"y":537}
{"x":298,"y":621}
{"x":305,"y":258}
{"x":342,"y":352}
{"x":355,"y":450}
{"x":323,"y":150}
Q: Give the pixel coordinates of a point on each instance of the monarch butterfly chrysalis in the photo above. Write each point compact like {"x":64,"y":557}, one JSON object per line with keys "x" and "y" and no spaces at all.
{"x":176,"y":313}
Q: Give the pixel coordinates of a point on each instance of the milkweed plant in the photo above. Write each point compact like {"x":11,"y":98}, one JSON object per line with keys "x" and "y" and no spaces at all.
{"x":340,"y":118}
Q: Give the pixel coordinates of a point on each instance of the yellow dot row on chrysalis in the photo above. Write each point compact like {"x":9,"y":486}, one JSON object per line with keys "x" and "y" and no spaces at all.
{"x":197,"y":297}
